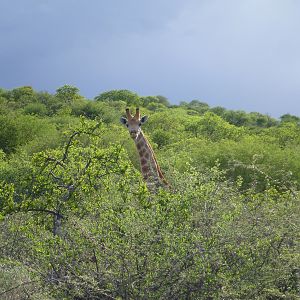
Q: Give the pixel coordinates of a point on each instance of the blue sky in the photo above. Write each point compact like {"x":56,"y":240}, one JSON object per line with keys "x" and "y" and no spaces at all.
{"x":240,"y":54}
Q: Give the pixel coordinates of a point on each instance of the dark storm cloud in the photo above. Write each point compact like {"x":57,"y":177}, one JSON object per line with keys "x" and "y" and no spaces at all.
{"x":234,"y":53}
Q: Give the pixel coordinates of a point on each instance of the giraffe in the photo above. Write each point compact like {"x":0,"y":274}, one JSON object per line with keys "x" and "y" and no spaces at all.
{"x":149,"y":166}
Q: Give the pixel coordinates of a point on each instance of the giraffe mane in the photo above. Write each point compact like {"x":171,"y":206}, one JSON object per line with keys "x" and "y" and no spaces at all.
{"x":161,"y":176}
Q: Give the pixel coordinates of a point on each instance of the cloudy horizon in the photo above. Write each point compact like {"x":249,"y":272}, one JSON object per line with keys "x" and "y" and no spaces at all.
{"x":241,"y":55}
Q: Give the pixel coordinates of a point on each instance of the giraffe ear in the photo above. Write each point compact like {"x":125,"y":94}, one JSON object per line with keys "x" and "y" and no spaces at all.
{"x":123,"y":120}
{"x":144,"y":119}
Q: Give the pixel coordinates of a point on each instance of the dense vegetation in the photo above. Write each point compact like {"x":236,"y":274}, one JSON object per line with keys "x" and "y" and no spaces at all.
{"x":77,"y":221}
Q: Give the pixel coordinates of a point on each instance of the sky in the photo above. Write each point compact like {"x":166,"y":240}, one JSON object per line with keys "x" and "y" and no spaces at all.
{"x":239,"y":54}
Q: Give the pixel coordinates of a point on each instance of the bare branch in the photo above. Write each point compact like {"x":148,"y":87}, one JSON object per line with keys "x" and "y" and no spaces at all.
{"x":51,"y":212}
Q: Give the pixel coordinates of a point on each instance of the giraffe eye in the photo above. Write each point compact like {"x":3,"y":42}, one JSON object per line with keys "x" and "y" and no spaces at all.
{"x":127,"y":125}
{"x":140,"y":124}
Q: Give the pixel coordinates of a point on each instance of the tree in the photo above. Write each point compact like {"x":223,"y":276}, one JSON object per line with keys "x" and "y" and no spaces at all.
{"x":289,"y":118}
{"x":238,"y":118}
{"x":38,"y":109}
{"x":19,"y":97}
{"x":199,"y":106}
{"x":127,"y":96}
{"x":20,"y":92}
{"x":67,"y":93}
{"x":163,"y":100}
{"x":9,"y":135}
{"x":260,"y":120}
{"x":218,"y":110}
{"x":214,"y":128}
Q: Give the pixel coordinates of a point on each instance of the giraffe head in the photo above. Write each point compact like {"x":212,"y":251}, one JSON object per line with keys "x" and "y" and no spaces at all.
{"x":133,"y":123}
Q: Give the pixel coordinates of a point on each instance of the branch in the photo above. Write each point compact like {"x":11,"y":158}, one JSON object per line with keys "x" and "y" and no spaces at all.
{"x":46,"y":211}
{"x":95,"y":260}
{"x":65,"y":155}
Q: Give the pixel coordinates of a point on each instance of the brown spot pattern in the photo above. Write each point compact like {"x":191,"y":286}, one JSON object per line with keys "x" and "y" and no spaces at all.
{"x":143,"y":161}
{"x":145,"y":169}
{"x":150,"y":169}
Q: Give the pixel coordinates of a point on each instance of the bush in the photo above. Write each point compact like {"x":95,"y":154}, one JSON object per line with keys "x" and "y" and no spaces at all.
{"x":203,"y":240}
{"x":38,"y":109}
{"x":18,"y":130}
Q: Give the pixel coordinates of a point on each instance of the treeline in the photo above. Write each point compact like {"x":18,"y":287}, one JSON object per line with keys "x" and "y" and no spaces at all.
{"x":77,"y":221}
{"x":45,"y":104}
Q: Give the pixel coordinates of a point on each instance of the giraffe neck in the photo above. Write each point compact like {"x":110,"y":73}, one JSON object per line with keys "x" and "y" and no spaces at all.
{"x":149,"y":166}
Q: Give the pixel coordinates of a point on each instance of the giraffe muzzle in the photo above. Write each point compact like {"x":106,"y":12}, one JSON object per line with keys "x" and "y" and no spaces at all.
{"x":133,"y":134}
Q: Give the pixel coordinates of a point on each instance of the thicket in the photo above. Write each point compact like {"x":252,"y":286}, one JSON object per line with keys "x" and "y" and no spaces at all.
{"x":77,"y":220}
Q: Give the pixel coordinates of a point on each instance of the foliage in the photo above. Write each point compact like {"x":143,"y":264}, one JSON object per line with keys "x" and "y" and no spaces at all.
{"x":159,"y":101}
{"x":38,"y":109}
{"x":214,"y":128}
{"x":78,"y":222}
{"x":18,"y":130}
{"x":289,"y":118}
{"x":128,"y":97}
{"x":67,"y":93}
